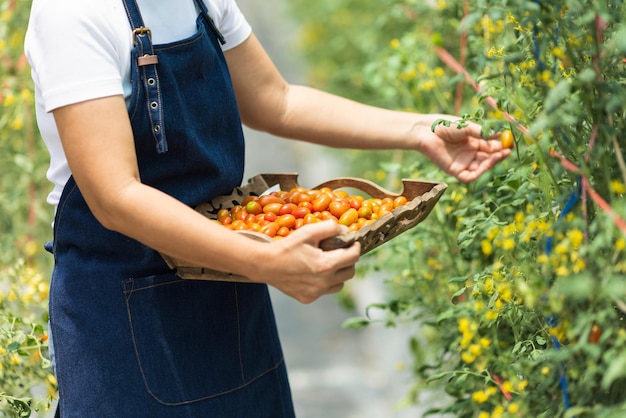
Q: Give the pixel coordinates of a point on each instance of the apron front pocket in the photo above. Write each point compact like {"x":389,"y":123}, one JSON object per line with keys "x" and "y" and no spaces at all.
{"x":188,"y":337}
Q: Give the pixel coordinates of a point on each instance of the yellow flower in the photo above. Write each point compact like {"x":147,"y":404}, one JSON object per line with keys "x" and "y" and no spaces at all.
{"x":9,"y":100}
{"x":487,"y":248}
{"x":491,"y":315}
{"x":480,"y":396}
{"x":395,"y":43}
{"x":489,"y":285}
{"x":545,"y":370}
{"x":618,"y":187}
{"x":464,"y":324}
{"x":467,"y":357}
{"x":485,"y":342}
{"x":543,"y":259}
{"x":508,"y":244}
{"x":475,"y":350}
{"x":513,"y":408}
{"x":483,"y":414}
{"x":562,"y":271}
{"x":620,"y":244}
{"x":522,"y":385}
{"x":576,"y":237}
{"x":497,"y":412}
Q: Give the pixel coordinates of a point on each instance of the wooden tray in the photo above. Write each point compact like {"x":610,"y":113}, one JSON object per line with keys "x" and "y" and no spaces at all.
{"x":422,"y":197}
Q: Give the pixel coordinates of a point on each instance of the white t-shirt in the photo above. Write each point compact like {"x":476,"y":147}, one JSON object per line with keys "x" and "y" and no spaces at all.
{"x":80,"y":50}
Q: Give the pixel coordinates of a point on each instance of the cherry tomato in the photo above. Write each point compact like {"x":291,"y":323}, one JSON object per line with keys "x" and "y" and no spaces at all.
{"x":270,"y":229}
{"x":507,"y":139}
{"x":299,"y":197}
{"x":365,"y":211}
{"x":223,"y":213}
{"x":287,"y":208}
{"x":254,"y":207}
{"x":283,"y":231}
{"x":355,"y":203}
{"x":349,"y":217}
{"x":286,"y":221}
{"x":272,"y":207}
{"x":338,"y":207}
{"x":595,"y":334}
{"x":249,"y":199}
{"x":239,"y":225}
{"x":301,"y":212}
{"x":399,"y":201}
{"x":270,"y":217}
{"x":321,"y":202}
{"x":268,"y":198}
{"x":310,"y":219}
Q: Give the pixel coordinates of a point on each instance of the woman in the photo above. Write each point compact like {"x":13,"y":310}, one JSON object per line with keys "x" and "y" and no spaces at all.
{"x":140,"y":104}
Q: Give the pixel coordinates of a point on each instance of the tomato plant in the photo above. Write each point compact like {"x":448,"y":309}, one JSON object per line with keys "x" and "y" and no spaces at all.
{"x":515,"y":281}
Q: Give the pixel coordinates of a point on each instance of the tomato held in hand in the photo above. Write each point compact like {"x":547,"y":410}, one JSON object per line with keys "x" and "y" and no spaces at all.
{"x":507,"y":139}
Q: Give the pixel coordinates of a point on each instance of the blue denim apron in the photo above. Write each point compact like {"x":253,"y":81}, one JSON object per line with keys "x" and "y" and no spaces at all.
{"x":132,"y":339}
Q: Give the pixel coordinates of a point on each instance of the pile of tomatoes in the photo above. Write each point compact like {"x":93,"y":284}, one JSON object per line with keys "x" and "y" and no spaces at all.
{"x":277,"y":214}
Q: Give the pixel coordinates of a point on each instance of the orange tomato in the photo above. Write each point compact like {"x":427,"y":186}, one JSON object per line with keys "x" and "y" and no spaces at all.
{"x":268,"y":198}
{"x":338,"y":207}
{"x":254,"y":207}
{"x":272,"y":207}
{"x":507,"y":139}
{"x":321,"y":202}
{"x":270,"y":229}
{"x":286,"y":221}
{"x":349,"y":217}
{"x":399,"y":201}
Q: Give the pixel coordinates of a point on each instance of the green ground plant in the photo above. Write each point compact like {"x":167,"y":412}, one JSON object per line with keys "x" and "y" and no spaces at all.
{"x":26,"y":381}
{"x":515,"y":281}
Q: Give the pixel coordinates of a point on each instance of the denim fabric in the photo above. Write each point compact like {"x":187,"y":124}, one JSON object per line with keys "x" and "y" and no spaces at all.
{"x":132,"y":339}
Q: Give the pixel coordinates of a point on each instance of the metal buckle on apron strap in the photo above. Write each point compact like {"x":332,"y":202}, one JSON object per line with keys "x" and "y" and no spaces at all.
{"x":146,"y":59}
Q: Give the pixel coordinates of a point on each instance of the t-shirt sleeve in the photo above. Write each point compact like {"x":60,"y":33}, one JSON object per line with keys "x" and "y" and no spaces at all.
{"x":73,"y":55}
{"x":231,"y":22}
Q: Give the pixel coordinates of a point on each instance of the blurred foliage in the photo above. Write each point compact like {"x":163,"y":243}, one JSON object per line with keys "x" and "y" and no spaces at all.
{"x":26,"y":382}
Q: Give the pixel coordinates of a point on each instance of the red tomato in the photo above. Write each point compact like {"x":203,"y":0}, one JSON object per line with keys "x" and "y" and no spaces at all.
{"x":270,"y":217}
{"x":355,"y":203}
{"x":595,"y":334}
{"x":301,"y":212}
{"x":287,"y":208}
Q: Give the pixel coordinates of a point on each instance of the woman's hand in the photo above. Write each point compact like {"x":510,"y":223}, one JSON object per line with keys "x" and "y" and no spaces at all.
{"x":296,"y":265}
{"x":462,"y":152}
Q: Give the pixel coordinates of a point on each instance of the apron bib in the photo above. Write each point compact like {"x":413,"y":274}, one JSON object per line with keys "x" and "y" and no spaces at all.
{"x":132,"y":339}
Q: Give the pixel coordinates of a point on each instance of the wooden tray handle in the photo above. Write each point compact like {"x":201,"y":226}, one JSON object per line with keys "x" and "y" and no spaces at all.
{"x":411,"y":188}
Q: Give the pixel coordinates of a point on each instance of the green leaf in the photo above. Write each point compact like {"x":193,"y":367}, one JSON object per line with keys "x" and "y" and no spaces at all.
{"x":355,"y":323}
{"x":617,"y":369}
{"x":14,"y":346}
